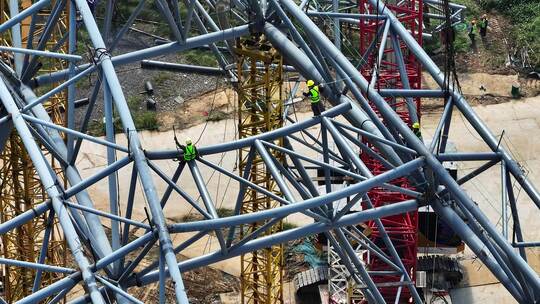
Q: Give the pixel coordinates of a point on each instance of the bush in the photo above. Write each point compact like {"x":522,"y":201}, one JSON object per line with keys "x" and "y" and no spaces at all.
{"x":525,"y":16}
{"x":528,"y":34}
{"x":472,"y":11}
{"x":143,"y":119}
{"x":289,"y":225}
{"x":197,"y":57}
{"x":462,"y":43}
{"x":224,"y":212}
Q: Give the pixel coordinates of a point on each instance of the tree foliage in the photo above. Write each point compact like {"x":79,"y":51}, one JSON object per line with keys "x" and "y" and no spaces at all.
{"x":525,"y":18}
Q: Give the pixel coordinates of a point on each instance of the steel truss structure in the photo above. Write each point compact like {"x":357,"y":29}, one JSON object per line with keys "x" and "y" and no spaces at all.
{"x":260,"y":110}
{"x":359,"y":110}
{"x":393,"y":67}
{"x":20,"y":189}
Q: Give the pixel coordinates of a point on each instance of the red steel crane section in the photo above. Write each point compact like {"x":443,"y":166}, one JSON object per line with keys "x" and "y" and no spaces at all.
{"x":402,"y":228}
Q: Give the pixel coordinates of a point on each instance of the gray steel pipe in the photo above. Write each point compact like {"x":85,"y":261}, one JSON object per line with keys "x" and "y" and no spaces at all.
{"x":136,"y":151}
{"x":49,"y":184}
{"x":178,"y":67}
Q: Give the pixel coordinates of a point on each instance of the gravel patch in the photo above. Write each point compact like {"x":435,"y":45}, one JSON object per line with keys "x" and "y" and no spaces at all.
{"x":170,"y":88}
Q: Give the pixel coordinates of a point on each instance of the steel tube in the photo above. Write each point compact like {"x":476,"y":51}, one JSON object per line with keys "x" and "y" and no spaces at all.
{"x":41,"y":53}
{"x":207,"y":199}
{"x":25,"y":217}
{"x":108,"y":215}
{"x":76,"y":133}
{"x":356,"y":116}
{"x":136,"y":151}
{"x":461,"y":103}
{"x":36,"y":266}
{"x":284,"y":236}
{"x":55,"y":288}
{"x":246,"y":142}
{"x":360,"y":268}
{"x":300,"y":206}
{"x":335,"y":15}
{"x":415,"y":143}
{"x":33,"y":9}
{"x":49,"y":184}
{"x":155,"y":51}
{"x":463,"y":156}
{"x":178,"y":67}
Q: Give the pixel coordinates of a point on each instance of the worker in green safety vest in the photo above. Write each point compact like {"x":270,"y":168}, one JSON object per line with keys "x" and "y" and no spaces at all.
{"x":416,"y":130}
{"x":314,"y":95}
{"x":190,"y":152}
{"x":473,"y":30}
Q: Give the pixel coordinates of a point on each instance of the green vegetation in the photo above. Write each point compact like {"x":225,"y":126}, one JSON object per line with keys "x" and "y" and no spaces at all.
{"x":462,"y":43}
{"x":143,"y":119}
{"x":217,"y":115}
{"x":525,"y":18}
{"x":289,"y":225}
{"x":162,"y":77}
{"x":473,"y":9}
{"x":198,"y":57}
{"x":224,"y":212}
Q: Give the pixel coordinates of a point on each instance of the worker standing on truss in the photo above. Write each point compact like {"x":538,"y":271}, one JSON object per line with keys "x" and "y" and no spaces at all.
{"x":314,"y":94}
{"x":416,"y":130}
{"x":189,"y":150}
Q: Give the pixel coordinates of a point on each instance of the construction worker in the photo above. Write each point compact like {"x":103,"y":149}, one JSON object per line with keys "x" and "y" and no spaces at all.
{"x":472,"y":34}
{"x":483,"y":25}
{"x":315,"y":97}
{"x":416,"y":130}
{"x":190,"y":152}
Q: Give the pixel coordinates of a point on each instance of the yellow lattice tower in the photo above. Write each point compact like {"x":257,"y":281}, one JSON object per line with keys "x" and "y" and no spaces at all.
{"x":20,"y":187}
{"x":260,"y":108}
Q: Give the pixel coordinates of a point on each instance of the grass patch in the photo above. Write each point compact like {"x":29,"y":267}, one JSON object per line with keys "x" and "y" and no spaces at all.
{"x":96,"y":128}
{"x":190,"y":217}
{"x":289,"y":225}
{"x":198,"y":57}
{"x":143,"y":119}
{"x":473,"y":9}
{"x":217,"y":115}
{"x":525,"y":18}
{"x":162,"y":77}
{"x":224,"y":212}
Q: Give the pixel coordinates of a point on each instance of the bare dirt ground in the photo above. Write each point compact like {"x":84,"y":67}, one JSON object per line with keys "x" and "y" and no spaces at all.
{"x":491,"y":53}
{"x":212,"y":106}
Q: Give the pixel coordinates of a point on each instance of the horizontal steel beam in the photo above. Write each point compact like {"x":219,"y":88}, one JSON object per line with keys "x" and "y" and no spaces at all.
{"x":155,"y":51}
{"x":285,"y":236}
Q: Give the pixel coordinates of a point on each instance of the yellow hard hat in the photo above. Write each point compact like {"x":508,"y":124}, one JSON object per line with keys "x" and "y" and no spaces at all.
{"x":416,"y":125}
{"x":188,"y":141}
{"x":310,"y":83}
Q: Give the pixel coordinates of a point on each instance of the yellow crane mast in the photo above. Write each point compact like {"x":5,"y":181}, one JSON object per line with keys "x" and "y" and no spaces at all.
{"x":20,"y":187}
{"x":260,"y":109}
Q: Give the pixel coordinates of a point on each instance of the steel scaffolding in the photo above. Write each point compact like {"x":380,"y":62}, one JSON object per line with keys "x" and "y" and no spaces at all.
{"x":393,"y":66}
{"x":260,"y":108}
{"x":108,"y":266}
{"x":20,"y":187}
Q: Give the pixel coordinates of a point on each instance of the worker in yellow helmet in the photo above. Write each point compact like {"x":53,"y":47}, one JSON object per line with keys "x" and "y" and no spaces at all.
{"x":416,"y":130}
{"x":314,"y":95}
{"x":190,"y":152}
